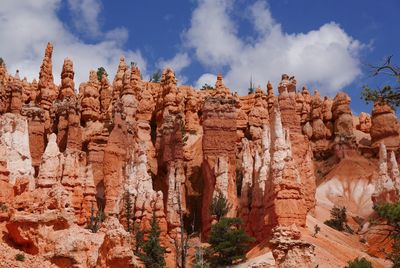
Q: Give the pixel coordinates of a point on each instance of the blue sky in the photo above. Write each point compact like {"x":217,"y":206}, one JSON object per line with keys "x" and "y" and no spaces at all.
{"x":325,"y":44}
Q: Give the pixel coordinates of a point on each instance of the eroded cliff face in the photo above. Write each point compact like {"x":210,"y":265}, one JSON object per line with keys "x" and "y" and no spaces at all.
{"x":170,"y":149}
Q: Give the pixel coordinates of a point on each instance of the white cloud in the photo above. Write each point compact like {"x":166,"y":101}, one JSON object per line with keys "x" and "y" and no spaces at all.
{"x":27,"y":26}
{"x":208,"y":79}
{"x":177,"y":63}
{"x":212,"y":33}
{"x":85,"y":15}
{"x":326,"y":57}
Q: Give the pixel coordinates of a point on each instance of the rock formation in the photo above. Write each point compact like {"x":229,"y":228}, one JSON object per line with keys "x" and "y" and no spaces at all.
{"x":66,"y":157}
{"x":385,"y":190}
{"x":365,"y":122}
{"x":384,"y":126}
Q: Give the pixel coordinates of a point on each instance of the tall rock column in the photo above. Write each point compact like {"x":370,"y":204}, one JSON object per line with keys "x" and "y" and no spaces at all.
{"x":48,"y":91}
{"x":285,"y":204}
{"x":115,"y":156}
{"x":343,"y":125}
{"x":219,"y":150}
{"x":170,"y":142}
{"x":36,"y":121}
{"x":302,"y":152}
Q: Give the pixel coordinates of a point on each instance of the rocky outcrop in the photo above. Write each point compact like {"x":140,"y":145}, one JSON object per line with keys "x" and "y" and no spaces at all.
{"x":364,"y":122}
{"x":115,"y":155}
{"x":289,"y":250}
{"x":116,"y":249}
{"x":65,"y":244}
{"x":343,"y":126}
{"x":284,"y":204}
{"x":90,"y":103}
{"x":67,"y":88}
{"x":48,"y":92}
{"x":219,"y":151}
{"x":37,"y":137}
{"x":169,"y":150}
{"x":384,"y":126}
{"x":14,"y":135}
{"x":385,"y":190}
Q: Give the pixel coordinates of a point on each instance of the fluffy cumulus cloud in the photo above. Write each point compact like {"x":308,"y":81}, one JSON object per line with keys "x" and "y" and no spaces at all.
{"x":204,"y":79}
{"x":327,"y":58}
{"x":85,"y":15}
{"x":27,"y":25}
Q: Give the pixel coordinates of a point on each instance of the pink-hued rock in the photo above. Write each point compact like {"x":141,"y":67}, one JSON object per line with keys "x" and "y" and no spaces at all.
{"x":289,"y":250}
{"x":90,"y":103}
{"x":342,"y":114}
{"x":169,"y":149}
{"x":365,"y":122}
{"x":384,"y":126}
{"x":67,"y":88}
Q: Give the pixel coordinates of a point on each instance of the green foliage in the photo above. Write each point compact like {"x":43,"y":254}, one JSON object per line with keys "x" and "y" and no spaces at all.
{"x":153,"y":252}
{"x":228,"y":243}
{"x":338,"y":218}
{"x":20,"y":257}
{"x":139,"y":239}
{"x":128,"y":211}
{"x":100,"y":72}
{"x":251,"y":88}
{"x":1,"y":61}
{"x":100,"y":215}
{"x":3,"y":207}
{"x":389,"y":93}
{"x":219,"y":206}
{"x":156,"y":76}
{"x":359,"y":263}
{"x":391,"y":213}
{"x":207,"y":87}
{"x":95,"y":221}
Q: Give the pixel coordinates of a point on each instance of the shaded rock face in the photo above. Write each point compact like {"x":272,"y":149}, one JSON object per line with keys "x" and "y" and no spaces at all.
{"x":170,"y":149}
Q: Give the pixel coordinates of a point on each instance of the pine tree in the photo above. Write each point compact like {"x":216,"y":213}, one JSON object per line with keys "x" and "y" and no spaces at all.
{"x":156,"y":76}
{"x":338,"y":219}
{"x":139,"y":240}
{"x":94,"y":222}
{"x":219,"y":206}
{"x":229,"y":243}
{"x":389,"y":93}
{"x":153,"y":252}
{"x":100,"y":72}
{"x":359,"y":263}
{"x":391,"y":213}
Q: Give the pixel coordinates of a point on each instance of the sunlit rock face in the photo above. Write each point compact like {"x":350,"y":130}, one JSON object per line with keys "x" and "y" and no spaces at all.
{"x":384,"y":126}
{"x":279,"y":158}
